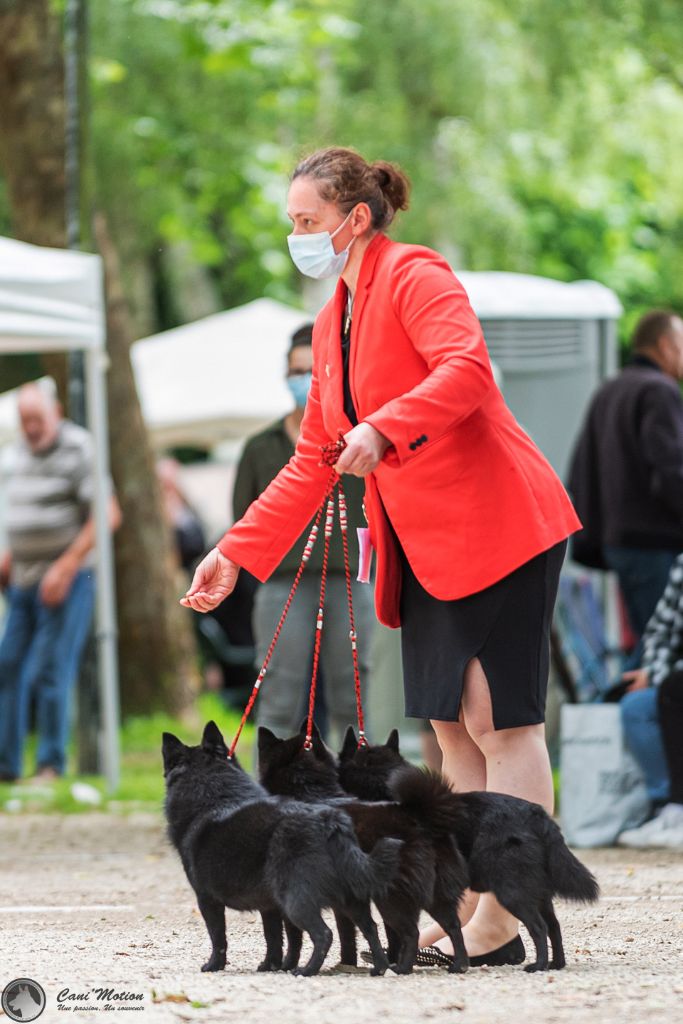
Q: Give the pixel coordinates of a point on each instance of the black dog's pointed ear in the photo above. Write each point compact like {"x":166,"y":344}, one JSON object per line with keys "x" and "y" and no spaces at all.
{"x":172,"y":749}
{"x":213,"y":737}
{"x":349,"y":746}
{"x":392,"y":741}
{"x":319,"y":747}
{"x":315,"y":733}
{"x":267,"y":740}
{"x":318,"y":743}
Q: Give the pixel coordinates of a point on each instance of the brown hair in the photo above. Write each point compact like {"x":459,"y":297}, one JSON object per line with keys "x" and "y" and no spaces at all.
{"x":342,"y":176}
{"x":651,"y":327}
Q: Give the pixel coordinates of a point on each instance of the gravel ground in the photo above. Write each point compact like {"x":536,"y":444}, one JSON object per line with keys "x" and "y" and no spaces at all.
{"x":101,"y":901}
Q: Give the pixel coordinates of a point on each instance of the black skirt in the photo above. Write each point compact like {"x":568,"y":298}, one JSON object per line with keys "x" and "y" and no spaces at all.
{"x":506,"y":626}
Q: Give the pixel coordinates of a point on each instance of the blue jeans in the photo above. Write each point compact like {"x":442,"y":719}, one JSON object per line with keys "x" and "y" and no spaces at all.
{"x":40,"y":652}
{"x":643,"y":574}
{"x":640,"y":719}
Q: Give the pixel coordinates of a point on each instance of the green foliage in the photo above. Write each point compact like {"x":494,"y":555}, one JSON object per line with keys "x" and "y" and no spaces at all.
{"x":539,"y":138}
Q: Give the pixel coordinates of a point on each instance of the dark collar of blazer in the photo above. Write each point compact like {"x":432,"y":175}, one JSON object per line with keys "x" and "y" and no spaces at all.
{"x":333,"y":363}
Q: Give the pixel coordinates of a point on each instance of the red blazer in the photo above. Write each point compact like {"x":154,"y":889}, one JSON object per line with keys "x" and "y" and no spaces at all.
{"x":469,"y":495}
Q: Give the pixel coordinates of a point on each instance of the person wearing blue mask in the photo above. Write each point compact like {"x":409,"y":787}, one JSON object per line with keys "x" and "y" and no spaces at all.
{"x":283,"y":697}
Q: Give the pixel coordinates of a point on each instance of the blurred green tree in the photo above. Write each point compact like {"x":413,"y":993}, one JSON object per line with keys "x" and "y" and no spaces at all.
{"x":538,"y":139}
{"x":156,"y":641}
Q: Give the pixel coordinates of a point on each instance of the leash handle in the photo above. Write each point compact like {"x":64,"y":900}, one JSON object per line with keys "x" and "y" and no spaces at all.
{"x":332,"y":450}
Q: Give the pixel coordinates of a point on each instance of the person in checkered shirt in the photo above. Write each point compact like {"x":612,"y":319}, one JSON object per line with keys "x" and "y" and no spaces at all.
{"x":652,"y":712}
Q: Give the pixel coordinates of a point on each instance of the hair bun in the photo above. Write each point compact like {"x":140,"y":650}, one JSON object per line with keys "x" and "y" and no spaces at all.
{"x":382,"y":175}
{"x":393,"y":183}
{"x":344,"y":177}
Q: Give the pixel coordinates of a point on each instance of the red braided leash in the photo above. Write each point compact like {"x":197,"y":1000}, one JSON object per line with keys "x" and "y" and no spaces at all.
{"x":343,"y":522}
{"x":264,"y":668}
{"x":330,"y":454}
{"x":329,"y":518}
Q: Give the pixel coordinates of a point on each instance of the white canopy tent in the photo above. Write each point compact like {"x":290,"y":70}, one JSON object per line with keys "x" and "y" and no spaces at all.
{"x":51,"y":300}
{"x":217,"y":378}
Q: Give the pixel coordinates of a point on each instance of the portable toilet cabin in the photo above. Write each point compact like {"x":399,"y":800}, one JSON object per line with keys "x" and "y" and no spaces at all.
{"x":553,"y":343}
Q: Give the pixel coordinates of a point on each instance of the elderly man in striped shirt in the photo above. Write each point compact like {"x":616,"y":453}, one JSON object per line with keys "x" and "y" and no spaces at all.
{"x":47,"y":577}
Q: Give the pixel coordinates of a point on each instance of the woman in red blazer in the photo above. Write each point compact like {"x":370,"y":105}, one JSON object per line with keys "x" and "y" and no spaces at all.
{"x":468,"y":519}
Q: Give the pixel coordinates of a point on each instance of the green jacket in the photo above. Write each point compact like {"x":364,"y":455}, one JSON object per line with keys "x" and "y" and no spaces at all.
{"x":263,"y":457}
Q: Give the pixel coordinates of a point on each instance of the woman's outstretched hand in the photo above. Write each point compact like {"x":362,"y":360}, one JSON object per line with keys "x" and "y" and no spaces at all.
{"x":365,"y":447}
{"x":213,"y":580}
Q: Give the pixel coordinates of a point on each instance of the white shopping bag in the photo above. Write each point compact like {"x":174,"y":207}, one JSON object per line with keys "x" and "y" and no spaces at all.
{"x":602,"y":789}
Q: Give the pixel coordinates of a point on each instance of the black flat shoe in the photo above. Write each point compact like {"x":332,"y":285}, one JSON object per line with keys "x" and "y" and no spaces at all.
{"x":432,"y":956}
{"x":511,"y":953}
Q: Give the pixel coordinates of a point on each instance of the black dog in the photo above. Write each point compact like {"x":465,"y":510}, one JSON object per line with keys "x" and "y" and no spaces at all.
{"x":432,"y":873}
{"x":512,"y":847}
{"x":244,"y":849}
{"x":365,"y":770}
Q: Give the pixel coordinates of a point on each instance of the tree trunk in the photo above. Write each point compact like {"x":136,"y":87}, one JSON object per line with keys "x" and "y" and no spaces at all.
{"x":155,"y":638}
{"x":156,"y":643}
{"x":32,"y":131}
{"x":32,"y":119}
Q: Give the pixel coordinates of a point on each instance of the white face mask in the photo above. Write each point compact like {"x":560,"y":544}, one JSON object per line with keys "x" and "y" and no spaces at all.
{"x":314,"y":254}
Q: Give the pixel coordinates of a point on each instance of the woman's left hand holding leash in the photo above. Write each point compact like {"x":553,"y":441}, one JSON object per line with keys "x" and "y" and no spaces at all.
{"x":214,"y":579}
{"x":365,"y":447}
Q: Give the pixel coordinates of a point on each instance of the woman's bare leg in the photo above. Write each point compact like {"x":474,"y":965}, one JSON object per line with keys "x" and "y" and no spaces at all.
{"x":516,"y":763}
{"x":430,"y":749}
{"x":462,"y":762}
{"x":464,"y":766}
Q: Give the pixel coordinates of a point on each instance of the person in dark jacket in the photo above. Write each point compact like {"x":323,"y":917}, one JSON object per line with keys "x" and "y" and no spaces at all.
{"x":626,"y":475}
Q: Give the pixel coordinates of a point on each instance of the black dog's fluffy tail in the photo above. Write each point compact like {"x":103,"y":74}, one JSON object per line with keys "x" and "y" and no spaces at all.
{"x":368,"y":875}
{"x":569,"y":877}
{"x":427,"y":797}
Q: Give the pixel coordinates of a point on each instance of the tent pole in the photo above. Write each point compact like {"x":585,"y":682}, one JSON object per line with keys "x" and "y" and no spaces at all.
{"x":106,"y":630}
{"x":75,"y":97}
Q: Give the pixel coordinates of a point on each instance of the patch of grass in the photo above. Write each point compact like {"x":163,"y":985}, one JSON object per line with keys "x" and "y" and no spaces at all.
{"x":141,"y":785}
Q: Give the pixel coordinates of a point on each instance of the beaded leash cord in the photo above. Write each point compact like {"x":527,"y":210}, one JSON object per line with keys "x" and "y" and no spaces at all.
{"x":330,"y":454}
